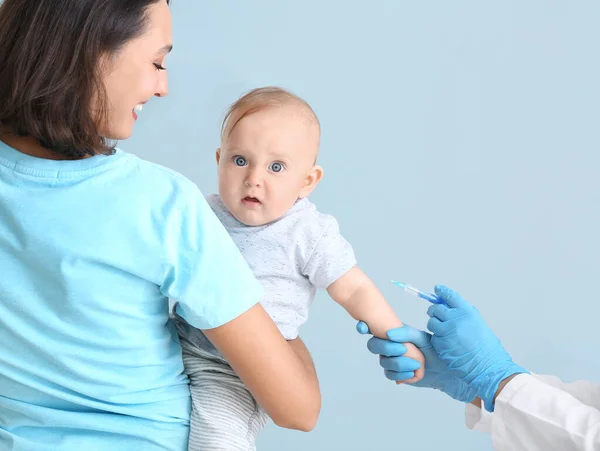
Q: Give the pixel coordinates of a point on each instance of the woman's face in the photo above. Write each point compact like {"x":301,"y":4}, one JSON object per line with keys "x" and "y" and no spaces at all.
{"x":136,"y":73}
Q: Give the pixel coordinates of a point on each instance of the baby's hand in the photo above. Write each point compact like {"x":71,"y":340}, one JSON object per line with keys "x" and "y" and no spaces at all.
{"x":414,"y":353}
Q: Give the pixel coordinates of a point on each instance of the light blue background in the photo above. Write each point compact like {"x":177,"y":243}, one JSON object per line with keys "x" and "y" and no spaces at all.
{"x":460,"y":145}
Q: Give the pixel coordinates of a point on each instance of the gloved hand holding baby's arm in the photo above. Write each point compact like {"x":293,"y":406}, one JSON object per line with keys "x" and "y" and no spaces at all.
{"x":399,"y":367}
{"x":464,"y":358}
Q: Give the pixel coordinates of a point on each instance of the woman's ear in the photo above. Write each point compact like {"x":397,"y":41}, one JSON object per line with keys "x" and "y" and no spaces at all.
{"x":218,"y":155}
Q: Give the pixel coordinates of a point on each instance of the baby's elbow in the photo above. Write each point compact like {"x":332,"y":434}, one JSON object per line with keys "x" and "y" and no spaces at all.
{"x":304,"y":419}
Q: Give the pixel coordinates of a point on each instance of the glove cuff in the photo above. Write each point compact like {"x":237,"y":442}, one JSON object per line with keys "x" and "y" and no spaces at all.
{"x":486,"y":385}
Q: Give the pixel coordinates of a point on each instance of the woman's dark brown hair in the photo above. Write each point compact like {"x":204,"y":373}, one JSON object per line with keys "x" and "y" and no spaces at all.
{"x":49,"y":67}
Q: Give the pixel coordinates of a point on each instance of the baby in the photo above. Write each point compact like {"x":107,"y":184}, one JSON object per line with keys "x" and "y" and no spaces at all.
{"x":269,"y":146}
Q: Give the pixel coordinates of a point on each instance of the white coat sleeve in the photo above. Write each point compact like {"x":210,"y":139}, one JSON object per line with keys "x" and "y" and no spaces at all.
{"x":584,"y":391}
{"x":542,"y":413}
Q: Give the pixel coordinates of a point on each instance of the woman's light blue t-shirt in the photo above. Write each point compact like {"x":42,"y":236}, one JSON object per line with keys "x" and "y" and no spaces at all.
{"x":90,"y":252}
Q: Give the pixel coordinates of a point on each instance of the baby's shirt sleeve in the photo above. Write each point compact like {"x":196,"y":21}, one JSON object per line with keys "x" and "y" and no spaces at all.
{"x":331,"y":256}
{"x":203,"y":269}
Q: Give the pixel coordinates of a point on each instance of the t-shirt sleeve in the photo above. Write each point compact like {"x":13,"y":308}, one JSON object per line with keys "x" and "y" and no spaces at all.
{"x":204,"y":271}
{"x":331,"y":257}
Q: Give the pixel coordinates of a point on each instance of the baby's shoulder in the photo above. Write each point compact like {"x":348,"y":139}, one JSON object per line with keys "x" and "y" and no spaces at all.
{"x":214,"y":202}
{"x":220,"y":210}
{"x":309,"y":222}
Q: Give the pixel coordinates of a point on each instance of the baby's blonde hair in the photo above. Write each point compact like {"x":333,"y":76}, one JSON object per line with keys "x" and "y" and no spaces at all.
{"x":260,"y":99}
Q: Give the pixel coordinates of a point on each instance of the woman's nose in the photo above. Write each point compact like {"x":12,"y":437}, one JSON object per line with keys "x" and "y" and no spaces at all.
{"x":162,"y":89}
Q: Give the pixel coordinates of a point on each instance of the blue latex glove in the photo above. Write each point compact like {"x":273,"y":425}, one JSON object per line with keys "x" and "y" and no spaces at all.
{"x":466,"y":344}
{"x":399,"y":368}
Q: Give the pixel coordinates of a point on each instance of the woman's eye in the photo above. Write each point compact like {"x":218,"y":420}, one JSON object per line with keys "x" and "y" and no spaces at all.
{"x":159,"y":66}
{"x":276,"y":167}
{"x":240,"y":161}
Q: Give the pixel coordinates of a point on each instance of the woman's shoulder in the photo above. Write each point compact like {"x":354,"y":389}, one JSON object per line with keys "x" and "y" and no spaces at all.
{"x":160,"y":174}
{"x":161,"y":187}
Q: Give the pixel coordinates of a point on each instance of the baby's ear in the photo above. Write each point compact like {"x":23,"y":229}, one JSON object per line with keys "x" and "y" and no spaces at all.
{"x":312,"y":179}
{"x":218,"y":155}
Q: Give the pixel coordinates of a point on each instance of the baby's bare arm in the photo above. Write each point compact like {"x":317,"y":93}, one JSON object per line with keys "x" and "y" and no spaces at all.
{"x":364,"y":302}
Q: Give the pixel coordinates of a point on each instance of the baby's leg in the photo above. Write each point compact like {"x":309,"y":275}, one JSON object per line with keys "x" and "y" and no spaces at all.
{"x":225,"y":416}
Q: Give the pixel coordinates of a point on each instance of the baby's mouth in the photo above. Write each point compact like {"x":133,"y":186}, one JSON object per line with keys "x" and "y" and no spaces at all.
{"x":251,"y":200}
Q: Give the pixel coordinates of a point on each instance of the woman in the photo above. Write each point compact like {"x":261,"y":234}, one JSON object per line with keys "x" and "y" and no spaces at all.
{"x":93,"y":242}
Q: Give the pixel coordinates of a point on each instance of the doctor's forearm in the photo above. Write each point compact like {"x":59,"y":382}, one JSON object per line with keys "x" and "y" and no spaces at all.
{"x":503,"y":384}
{"x":477,"y":401}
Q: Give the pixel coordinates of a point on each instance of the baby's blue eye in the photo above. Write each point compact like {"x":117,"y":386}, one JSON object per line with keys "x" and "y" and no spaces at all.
{"x":240,"y":161}
{"x":276,"y":167}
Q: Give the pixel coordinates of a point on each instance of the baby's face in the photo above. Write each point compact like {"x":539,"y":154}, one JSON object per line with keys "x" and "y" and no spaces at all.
{"x":265,"y":164}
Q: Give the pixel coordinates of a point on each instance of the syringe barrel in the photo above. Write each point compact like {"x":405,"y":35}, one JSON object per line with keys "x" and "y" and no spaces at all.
{"x":412,"y":291}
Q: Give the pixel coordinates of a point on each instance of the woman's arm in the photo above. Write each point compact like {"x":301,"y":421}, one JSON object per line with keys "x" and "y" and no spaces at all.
{"x":302,"y":352}
{"x":276,"y":372}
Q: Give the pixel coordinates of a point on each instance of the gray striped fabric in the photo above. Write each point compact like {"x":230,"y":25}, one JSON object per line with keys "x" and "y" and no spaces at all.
{"x":225,"y":416}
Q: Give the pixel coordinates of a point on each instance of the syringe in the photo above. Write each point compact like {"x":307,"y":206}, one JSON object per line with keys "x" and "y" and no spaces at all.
{"x":418,"y":293}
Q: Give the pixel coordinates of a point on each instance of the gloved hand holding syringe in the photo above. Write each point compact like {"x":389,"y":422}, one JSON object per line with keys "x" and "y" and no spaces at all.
{"x":418,"y":293}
